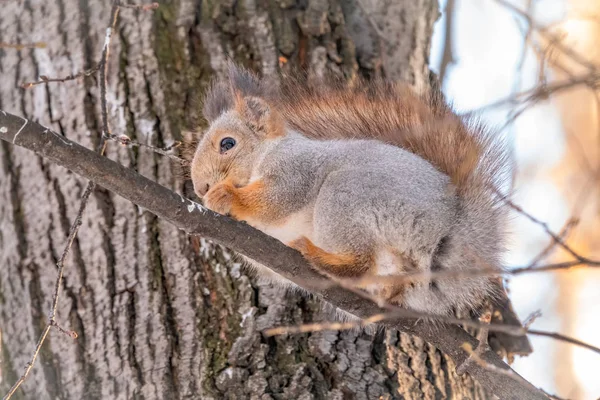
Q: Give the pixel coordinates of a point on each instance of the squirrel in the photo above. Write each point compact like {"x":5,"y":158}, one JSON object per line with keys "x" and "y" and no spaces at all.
{"x":370,"y":179}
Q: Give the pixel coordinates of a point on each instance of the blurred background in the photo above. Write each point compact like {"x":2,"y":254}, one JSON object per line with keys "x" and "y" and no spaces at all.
{"x":531,"y":69}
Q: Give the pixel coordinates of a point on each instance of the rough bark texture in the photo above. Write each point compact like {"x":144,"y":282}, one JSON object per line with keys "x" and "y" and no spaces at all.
{"x":161,"y":314}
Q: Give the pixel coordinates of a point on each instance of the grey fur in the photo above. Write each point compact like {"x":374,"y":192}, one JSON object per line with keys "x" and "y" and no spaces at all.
{"x":364,"y":195}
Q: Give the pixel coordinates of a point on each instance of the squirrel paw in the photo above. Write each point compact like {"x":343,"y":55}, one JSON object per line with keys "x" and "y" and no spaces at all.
{"x":220,"y":198}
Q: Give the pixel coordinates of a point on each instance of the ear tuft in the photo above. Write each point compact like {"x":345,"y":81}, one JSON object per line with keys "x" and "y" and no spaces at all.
{"x":243,"y":81}
{"x":223,"y":93}
{"x":218,"y":100}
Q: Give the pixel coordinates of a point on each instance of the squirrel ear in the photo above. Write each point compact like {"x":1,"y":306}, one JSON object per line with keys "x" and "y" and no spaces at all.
{"x":217,"y":100}
{"x":259,"y":115}
{"x":252,"y":108}
{"x":222,"y":93}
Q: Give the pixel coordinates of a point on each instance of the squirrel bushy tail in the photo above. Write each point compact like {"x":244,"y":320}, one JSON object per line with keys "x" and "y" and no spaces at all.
{"x":473,"y":157}
{"x":394,"y":113}
{"x":424,"y":124}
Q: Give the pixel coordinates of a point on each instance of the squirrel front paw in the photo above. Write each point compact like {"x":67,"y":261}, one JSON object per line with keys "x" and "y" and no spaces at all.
{"x":220,"y":198}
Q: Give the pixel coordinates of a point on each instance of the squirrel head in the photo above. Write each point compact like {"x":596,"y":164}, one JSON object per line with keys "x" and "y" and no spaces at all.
{"x":241,"y":126}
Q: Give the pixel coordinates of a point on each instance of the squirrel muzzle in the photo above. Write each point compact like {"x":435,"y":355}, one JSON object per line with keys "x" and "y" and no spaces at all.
{"x":201,"y":188}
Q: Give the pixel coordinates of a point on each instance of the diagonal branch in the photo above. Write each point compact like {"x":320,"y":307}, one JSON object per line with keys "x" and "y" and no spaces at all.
{"x":197,"y":220}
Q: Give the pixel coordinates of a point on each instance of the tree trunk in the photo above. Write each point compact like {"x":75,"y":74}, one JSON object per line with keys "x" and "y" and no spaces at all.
{"x":159,"y":314}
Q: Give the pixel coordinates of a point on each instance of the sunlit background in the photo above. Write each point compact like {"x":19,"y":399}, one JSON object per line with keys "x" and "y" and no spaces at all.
{"x":556,"y":143}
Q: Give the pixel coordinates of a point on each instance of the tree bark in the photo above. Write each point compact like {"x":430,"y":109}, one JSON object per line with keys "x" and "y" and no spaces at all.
{"x":160,"y":314}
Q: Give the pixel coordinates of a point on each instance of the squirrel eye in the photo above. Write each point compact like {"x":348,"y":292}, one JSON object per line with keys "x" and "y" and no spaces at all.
{"x":227,"y":144}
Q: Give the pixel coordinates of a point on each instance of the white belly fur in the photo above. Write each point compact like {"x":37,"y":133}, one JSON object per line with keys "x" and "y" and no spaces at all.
{"x":293,"y":227}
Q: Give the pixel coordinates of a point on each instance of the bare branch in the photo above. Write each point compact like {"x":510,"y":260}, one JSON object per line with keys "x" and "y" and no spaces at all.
{"x":551,"y":37}
{"x":541,"y":92}
{"x":22,"y":46}
{"x":195,"y":219}
{"x":564,"y":338}
{"x":531,"y":318}
{"x":554,"y":236}
{"x":484,"y":325}
{"x":143,"y":7}
{"x":30,"y":364}
{"x":563,"y":234}
{"x":45,"y":79}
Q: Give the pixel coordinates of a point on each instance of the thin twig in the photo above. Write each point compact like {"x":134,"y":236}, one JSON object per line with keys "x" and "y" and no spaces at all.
{"x":541,"y":92}
{"x":482,"y":337}
{"x":328,"y":326}
{"x":396,"y":313}
{"x":551,"y":37}
{"x":476,"y":358}
{"x":102,"y":68}
{"x":556,"y":267}
{"x":564,"y":338}
{"x":143,"y":7}
{"x":22,"y":46}
{"x":427,"y":276}
{"x":45,"y":79}
{"x":165,"y":151}
{"x":52,"y":317}
{"x":549,"y":232}
{"x":30,"y":364}
{"x":531,"y":318}
{"x":521,"y":62}
{"x":563,"y":234}
{"x":404,"y":313}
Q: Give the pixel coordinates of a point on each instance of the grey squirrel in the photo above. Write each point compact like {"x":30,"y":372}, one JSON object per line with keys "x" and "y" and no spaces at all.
{"x":370,"y":179}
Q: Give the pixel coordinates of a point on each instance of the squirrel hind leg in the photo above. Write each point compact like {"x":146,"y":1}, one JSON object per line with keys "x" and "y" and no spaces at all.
{"x":343,"y":265}
{"x":348,"y":265}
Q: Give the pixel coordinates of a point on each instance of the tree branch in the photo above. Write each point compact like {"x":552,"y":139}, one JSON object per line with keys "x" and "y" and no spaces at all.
{"x":197,"y":220}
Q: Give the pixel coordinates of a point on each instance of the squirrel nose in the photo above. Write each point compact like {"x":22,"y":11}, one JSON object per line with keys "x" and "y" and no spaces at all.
{"x":202,"y":189}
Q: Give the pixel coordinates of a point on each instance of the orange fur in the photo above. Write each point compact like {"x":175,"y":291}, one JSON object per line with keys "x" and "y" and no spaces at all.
{"x":275,"y":127}
{"x":260,"y":115}
{"x":342,"y":265}
{"x":244,"y":203}
{"x":250,"y":202}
